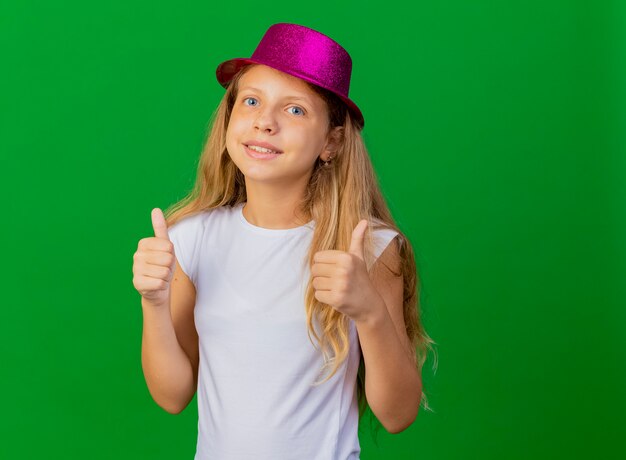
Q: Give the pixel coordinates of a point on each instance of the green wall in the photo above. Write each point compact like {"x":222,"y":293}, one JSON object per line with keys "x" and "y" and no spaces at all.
{"x":497,"y":130}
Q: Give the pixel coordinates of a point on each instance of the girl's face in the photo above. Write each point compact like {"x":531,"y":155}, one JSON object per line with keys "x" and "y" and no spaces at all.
{"x":282,"y":113}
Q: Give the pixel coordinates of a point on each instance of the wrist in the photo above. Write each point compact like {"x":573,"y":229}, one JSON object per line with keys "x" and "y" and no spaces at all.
{"x":375,"y":317}
{"x":147,"y":303}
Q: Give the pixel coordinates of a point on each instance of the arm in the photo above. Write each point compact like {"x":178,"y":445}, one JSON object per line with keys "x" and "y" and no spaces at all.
{"x":393,"y":385}
{"x":169,"y":352}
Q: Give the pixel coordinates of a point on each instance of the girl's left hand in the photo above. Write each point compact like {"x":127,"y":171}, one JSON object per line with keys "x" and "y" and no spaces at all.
{"x":341,"y":280}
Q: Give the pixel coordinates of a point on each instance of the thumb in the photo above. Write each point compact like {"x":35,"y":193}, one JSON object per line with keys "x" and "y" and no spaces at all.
{"x":358,"y":234}
{"x":159,"y":225}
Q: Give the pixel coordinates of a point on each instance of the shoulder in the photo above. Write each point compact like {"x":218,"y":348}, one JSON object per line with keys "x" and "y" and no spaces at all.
{"x":189,"y":235}
{"x":385,"y":243}
{"x":390,"y":258}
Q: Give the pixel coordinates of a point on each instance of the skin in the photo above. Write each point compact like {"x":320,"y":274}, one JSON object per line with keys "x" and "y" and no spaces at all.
{"x":275,"y":107}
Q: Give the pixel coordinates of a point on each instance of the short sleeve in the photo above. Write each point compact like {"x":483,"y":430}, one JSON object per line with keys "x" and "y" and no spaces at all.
{"x":186,"y":235}
{"x":381,"y":237}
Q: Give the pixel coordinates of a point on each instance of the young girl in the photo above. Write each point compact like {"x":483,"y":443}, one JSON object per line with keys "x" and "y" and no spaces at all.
{"x":280,"y":288}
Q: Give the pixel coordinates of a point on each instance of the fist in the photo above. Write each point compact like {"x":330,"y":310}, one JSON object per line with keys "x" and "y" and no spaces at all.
{"x":154,"y":263}
{"x":341,"y":280}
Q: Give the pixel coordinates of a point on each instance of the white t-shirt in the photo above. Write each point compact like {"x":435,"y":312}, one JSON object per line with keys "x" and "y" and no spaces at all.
{"x":257,"y":364}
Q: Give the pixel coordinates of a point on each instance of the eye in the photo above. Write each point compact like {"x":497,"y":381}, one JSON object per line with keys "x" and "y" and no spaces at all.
{"x":247,"y":98}
{"x":298,"y":108}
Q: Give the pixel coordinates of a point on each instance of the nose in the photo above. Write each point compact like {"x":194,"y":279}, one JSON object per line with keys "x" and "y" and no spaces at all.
{"x":265,"y":121}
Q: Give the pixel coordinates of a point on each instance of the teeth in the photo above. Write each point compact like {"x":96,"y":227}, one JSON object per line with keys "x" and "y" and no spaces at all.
{"x":260,"y":149}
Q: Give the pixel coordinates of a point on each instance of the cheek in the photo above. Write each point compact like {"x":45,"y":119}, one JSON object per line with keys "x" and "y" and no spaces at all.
{"x":233,"y":126}
{"x":315,"y":143}
{"x":231,"y":143}
{"x":237,"y":118}
{"x":234,"y":131}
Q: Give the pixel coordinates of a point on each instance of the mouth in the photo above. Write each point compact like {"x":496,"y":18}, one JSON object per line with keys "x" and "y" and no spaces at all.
{"x":261,"y":153}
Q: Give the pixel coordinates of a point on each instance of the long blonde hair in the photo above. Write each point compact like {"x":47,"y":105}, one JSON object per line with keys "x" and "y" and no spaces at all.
{"x":338,"y":196}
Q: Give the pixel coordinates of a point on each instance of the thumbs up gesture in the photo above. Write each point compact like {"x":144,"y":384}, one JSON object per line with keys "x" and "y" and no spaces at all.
{"x":341,"y":280}
{"x":154,"y":263}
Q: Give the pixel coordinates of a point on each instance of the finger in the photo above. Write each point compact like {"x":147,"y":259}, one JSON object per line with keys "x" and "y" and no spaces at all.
{"x":158,"y":257}
{"x":324,"y":297}
{"x":358,"y":236}
{"x":159,"y":225}
{"x":328,"y":256}
{"x":321,"y":283}
{"x":323,"y":269}
{"x":156,"y":271}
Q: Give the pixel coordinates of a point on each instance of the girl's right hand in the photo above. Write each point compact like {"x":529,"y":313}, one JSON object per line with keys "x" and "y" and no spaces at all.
{"x":154,"y":263}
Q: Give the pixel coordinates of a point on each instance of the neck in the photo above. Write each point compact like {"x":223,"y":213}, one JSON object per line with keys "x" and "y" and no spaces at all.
{"x":274,"y":207}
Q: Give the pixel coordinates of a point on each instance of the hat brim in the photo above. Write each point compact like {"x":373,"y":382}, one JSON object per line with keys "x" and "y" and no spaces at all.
{"x":228,"y":69}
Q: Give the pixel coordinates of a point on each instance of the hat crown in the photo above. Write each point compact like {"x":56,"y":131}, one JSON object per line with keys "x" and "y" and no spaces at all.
{"x":304,"y":53}
{"x":297,"y":49}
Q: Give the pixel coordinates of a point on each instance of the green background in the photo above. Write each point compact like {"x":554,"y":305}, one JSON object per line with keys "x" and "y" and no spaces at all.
{"x":497,"y":130}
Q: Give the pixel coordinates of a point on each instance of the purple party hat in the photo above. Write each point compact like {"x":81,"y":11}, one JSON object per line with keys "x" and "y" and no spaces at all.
{"x":304,"y":53}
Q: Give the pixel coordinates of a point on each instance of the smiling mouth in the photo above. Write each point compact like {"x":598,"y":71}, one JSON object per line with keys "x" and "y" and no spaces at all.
{"x":258,"y":149}
{"x":261,"y":155}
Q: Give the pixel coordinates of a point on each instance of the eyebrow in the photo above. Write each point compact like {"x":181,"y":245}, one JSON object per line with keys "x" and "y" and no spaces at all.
{"x":293,"y":96}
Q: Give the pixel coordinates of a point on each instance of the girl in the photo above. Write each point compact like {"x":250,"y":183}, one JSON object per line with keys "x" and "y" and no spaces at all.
{"x":280,"y":288}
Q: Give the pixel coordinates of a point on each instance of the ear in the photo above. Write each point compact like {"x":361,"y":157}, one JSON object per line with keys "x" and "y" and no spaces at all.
{"x":333,"y":142}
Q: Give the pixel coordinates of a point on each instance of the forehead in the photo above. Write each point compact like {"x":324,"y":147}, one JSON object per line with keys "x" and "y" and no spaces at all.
{"x":269,"y":80}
